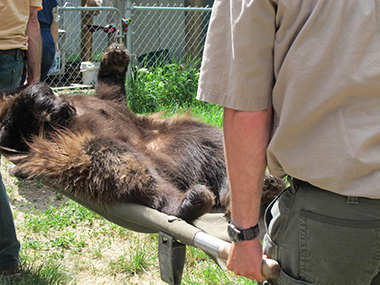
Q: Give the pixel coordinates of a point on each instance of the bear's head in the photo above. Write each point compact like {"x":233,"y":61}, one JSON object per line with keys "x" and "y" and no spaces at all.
{"x":33,"y":111}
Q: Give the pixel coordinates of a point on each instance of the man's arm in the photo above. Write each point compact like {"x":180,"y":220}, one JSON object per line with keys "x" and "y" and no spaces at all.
{"x":54,"y":26}
{"x":54,"y":32}
{"x":246,"y":135}
{"x":34,"y":51}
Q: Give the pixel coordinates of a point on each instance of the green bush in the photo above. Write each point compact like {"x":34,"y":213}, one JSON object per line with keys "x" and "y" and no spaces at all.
{"x":170,"y":88}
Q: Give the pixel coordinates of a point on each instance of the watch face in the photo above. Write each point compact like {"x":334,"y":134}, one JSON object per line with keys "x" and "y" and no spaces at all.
{"x":233,"y":233}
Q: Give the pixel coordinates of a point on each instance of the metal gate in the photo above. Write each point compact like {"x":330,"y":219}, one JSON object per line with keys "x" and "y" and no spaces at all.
{"x":83,"y":35}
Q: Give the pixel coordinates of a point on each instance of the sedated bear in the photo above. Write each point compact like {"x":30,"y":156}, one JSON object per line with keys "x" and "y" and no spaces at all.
{"x":97,"y":145}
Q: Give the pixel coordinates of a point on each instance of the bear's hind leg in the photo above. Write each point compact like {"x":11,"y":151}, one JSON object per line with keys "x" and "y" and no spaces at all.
{"x":198,"y":201}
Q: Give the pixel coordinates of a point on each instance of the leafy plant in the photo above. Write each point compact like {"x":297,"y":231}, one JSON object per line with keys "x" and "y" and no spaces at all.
{"x":170,"y":88}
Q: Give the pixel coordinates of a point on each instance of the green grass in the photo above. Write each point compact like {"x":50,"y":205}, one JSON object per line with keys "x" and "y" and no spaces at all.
{"x":171,"y":88}
{"x":163,"y":87}
{"x":138,"y":261}
{"x":51,"y":272}
{"x":64,"y":243}
{"x":58,"y":220}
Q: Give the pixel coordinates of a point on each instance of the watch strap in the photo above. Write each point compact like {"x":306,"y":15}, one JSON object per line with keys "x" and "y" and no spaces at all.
{"x":238,"y":235}
{"x":250,"y":233}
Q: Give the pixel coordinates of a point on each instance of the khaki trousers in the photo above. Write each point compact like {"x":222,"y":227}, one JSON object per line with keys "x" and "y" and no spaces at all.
{"x":320,"y":237}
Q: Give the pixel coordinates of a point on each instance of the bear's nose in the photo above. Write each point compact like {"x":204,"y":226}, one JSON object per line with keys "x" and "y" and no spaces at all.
{"x":114,"y":46}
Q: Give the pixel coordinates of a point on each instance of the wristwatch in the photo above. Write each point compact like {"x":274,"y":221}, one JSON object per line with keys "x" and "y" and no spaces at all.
{"x":238,"y":235}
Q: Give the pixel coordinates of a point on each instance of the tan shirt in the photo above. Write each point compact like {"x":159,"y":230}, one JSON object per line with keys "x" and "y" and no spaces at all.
{"x":14,"y":16}
{"x":317,"y":62}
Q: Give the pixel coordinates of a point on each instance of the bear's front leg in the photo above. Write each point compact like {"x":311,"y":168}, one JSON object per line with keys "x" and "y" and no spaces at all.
{"x":112,"y":73}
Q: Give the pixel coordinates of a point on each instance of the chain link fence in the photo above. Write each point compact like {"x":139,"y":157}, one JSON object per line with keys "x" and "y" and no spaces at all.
{"x":155,"y":35}
{"x":83,"y":35}
{"x":168,"y":33}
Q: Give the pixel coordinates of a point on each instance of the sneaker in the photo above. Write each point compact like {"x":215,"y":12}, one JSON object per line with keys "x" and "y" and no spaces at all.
{"x":10,"y":274}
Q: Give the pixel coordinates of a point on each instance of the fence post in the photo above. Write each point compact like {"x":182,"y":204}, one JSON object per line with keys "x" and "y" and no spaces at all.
{"x":129,"y":41}
{"x":194,"y":24}
{"x":86,"y":36}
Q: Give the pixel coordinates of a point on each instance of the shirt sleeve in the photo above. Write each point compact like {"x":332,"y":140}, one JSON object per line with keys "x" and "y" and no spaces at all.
{"x":237,"y":65}
{"x":35,"y":3}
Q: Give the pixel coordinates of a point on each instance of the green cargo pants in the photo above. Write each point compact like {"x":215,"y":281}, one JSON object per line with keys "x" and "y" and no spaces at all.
{"x":319,"y":237}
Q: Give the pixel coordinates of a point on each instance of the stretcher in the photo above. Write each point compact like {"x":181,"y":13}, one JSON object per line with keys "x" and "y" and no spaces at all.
{"x":208,"y":233}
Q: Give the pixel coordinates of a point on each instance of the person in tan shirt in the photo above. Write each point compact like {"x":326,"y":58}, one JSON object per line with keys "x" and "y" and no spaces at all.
{"x":19,"y":36}
{"x":300,"y":83}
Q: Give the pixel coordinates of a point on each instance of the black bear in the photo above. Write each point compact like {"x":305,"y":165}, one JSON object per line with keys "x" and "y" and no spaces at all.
{"x":96,"y":145}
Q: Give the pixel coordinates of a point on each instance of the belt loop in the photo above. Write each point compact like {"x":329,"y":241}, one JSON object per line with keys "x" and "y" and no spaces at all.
{"x":292,"y":182}
{"x":352,"y":200}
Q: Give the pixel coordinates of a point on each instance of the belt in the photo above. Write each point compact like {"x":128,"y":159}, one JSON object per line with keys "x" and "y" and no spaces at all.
{"x":14,"y":51}
{"x":353,"y":200}
{"x":296,"y":182}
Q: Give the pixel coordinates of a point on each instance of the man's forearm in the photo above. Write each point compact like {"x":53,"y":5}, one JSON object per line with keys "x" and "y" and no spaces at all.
{"x":246,"y":137}
{"x":34,"y":47}
{"x":54,"y":32}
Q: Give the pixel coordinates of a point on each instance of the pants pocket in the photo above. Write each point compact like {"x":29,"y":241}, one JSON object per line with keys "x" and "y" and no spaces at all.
{"x":10,"y":70}
{"x":285,"y":279}
{"x":270,"y":248}
{"x":338,"y":251}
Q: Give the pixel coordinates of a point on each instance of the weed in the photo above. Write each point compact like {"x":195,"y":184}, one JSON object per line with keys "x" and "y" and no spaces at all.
{"x":134,"y":262}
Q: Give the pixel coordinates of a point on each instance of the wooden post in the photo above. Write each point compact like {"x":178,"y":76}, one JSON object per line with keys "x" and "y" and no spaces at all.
{"x":194,"y":31}
{"x":86,"y":36}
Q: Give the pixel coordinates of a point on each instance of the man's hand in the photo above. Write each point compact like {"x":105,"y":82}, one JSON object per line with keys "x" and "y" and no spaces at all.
{"x":245,"y":259}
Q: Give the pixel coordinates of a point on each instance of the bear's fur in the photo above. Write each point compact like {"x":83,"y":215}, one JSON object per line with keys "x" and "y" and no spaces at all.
{"x":96,"y":145}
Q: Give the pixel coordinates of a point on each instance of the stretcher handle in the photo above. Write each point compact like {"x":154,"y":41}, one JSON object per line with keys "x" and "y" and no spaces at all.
{"x":269,"y":267}
{"x":220,"y":248}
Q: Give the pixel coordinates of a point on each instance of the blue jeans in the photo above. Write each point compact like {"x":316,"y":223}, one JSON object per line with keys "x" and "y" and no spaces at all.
{"x":9,"y":245}
{"x":10,"y":70}
{"x":48,"y":55}
{"x":10,"y":76}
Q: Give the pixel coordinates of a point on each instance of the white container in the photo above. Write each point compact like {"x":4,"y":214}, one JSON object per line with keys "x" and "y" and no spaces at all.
{"x":89,"y":72}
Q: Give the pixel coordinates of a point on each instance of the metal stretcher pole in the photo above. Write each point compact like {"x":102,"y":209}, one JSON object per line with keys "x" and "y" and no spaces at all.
{"x":220,"y":248}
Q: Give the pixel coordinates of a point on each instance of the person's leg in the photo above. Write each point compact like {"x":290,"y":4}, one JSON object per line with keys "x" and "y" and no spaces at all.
{"x":10,"y":76}
{"x":9,"y":245}
{"x":48,"y":54}
{"x":23,"y":76}
{"x":319,"y":237}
